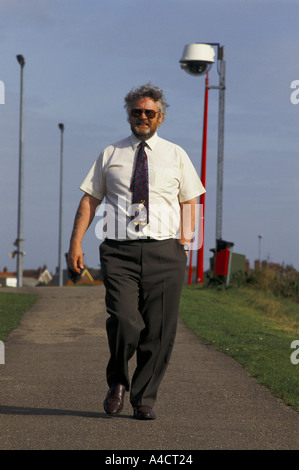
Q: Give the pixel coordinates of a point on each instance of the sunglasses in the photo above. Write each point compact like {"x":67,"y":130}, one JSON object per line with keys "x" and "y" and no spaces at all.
{"x":150,"y":113}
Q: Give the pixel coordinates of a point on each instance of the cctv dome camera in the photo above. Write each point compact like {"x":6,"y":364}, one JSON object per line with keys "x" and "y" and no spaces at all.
{"x":197,"y":58}
{"x":196,"y":67}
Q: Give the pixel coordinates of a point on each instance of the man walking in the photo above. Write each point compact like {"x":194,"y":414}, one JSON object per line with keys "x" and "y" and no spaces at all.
{"x":150,"y":187}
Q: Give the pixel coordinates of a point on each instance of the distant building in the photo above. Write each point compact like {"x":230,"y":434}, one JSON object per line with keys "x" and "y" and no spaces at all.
{"x":41,"y":277}
{"x":31,"y":277}
{"x":88,"y":276}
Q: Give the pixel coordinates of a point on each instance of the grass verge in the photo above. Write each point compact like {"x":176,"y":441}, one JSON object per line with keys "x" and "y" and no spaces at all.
{"x":12,"y":308}
{"x":253,"y":327}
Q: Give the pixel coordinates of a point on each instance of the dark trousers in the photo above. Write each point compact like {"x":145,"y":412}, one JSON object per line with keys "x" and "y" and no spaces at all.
{"x":143,"y":281}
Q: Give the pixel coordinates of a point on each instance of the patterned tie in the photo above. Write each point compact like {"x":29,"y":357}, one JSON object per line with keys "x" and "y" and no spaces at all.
{"x":140,"y":188}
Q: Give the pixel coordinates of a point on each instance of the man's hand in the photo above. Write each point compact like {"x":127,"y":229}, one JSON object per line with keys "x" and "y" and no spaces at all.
{"x":75,"y":258}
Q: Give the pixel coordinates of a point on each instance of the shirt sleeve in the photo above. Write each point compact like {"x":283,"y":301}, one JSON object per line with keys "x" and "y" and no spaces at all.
{"x":94,"y":182}
{"x":190,"y":184}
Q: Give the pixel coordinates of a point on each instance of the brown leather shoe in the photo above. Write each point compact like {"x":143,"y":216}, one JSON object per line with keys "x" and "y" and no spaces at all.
{"x":114,"y":401}
{"x":144,"y":412}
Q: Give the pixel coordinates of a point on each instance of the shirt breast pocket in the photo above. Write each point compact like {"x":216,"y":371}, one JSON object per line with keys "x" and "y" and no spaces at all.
{"x":166,"y":178}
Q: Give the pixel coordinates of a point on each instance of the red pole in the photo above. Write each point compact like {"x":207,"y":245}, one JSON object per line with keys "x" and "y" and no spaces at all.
{"x":190,"y":263}
{"x":200,"y":268}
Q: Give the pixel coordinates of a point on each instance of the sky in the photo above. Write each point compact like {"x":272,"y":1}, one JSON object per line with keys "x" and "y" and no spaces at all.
{"x":83,"y":56}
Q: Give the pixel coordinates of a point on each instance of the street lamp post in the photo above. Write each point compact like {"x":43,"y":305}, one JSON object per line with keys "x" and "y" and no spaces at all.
{"x":221,"y":88}
{"x":60,"y":255}
{"x":19,"y":240}
{"x":197,"y":60}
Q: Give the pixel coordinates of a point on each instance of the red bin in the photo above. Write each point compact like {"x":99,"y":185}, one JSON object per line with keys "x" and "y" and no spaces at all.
{"x":221,"y":262}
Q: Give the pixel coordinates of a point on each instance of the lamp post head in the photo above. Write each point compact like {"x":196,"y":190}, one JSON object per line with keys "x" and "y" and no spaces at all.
{"x":21,"y":60}
{"x":61,"y":127}
{"x":197,"y":59}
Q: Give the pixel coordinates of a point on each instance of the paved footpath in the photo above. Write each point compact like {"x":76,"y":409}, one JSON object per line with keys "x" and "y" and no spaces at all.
{"x":52,"y":387}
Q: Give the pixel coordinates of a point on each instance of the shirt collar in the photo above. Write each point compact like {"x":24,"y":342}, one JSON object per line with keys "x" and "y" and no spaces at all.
{"x":149,"y":142}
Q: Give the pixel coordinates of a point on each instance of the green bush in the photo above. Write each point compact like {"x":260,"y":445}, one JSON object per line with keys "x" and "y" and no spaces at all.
{"x":282,"y":283}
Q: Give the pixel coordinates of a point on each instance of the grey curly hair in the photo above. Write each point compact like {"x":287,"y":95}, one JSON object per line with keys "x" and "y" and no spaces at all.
{"x":146,"y":91}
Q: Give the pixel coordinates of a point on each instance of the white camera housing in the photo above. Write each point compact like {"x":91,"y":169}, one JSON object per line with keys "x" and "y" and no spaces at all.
{"x":197,"y":58}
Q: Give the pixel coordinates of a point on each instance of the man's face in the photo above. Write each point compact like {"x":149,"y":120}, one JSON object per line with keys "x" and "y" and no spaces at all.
{"x":142,"y":126}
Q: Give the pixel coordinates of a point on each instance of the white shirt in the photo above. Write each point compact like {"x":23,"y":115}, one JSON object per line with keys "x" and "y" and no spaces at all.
{"x":172,"y":179}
